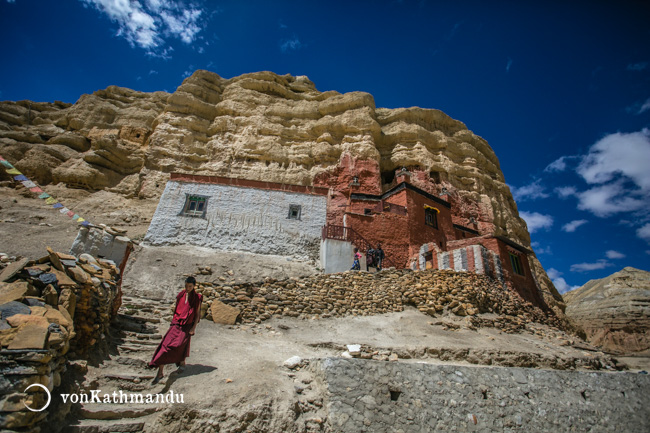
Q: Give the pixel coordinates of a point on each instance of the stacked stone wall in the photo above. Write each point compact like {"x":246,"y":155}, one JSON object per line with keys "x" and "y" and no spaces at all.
{"x":433,"y":292}
{"x":53,"y":310}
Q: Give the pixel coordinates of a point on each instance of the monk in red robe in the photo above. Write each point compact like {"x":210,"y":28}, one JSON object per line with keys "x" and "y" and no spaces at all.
{"x":175,"y":345}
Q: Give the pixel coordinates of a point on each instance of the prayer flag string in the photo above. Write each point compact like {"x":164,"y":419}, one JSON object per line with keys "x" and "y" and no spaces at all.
{"x":49,"y":200}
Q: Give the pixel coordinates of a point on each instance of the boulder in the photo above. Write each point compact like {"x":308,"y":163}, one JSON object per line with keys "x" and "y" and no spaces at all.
{"x":224,"y":314}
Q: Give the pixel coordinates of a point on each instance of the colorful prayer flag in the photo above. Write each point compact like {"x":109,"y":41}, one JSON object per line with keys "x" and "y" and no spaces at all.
{"x":20,"y":178}
{"x":6,"y":164}
{"x":35,"y":189}
{"x":13,"y":171}
{"x":44,"y":196}
{"x":51,"y":200}
{"x":57,"y":205}
{"x":76,"y":217}
{"x":70,"y":214}
{"x":81,"y":220}
{"x":64,"y":210}
{"x":85,"y":223}
{"x":28,"y":184}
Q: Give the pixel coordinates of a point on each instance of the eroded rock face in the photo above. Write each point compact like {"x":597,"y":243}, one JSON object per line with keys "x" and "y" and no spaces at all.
{"x":614,"y":311}
{"x":259,"y":126}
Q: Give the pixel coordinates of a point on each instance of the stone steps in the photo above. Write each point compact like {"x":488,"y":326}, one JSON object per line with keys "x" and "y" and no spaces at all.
{"x":136,"y":378}
{"x":135,"y":336}
{"x":140,"y":319}
{"x":116,"y":411}
{"x":104,"y":426}
{"x":142,"y":342}
{"x":133,"y":326}
{"x":130,"y":361}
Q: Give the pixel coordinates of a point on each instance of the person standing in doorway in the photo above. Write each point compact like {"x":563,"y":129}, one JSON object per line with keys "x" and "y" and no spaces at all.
{"x":356,"y":264}
{"x":379,"y":256}
{"x":175,"y":345}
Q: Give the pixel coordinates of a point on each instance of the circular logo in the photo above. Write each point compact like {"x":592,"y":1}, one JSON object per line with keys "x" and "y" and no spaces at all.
{"x":49,"y":397}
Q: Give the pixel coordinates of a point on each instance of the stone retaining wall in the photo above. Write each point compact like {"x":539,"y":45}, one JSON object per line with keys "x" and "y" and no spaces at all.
{"x":433,"y":292}
{"x":373,"y":396}
{"x":53,"y":309}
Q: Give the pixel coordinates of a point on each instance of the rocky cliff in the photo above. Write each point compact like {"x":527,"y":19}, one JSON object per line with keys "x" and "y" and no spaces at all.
{"x":259,"y":126}
{"x":614,"y":311}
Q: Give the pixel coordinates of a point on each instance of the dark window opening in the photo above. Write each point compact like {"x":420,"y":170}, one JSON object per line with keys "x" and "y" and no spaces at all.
{"x":195,"y":205}
{"x":137,"y":135}
{"x":434,"y":176}
{"x":367,"y":211}
{"x":387,"y":177}
{"x":516,"y":264}
{"x":294,"y":212}
{"x":431,"y":217}
{"x":394,"y":395}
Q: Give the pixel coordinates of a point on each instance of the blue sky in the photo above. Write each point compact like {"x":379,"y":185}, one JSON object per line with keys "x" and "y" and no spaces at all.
{"x":561,"y":90}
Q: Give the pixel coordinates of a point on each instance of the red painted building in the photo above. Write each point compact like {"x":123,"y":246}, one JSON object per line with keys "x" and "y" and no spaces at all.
{"x":416,"y":229}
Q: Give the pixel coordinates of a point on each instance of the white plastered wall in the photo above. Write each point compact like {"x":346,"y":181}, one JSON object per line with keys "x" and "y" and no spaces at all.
{"x":240,"y":219}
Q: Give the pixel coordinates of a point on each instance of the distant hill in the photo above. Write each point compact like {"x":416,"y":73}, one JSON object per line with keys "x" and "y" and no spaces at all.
{"x":614,"y":311}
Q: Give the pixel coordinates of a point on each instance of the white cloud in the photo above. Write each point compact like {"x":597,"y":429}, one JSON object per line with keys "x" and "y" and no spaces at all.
{"x":645,"y":107}
{"x":189,"y":71}
{"x":183,"y":24}
{"x":509,"y":65}
{"x":566,"y":191}
{"x":637,"y":66}
{"x":559,"y":164}
{"x":148,"y":26}
{"x":619,"y":154}
{"x":536,"y":221}
{"x":611,"y":254}
{"x":532,"y":191}
{"x":573,"y":225}
{"x":152,"y":72}
{"x":644,"y":232}
{"x":290,"y":44}
{"x":539,"y":249}
{"x":560,"y":283}
{"x":585,"y":267}
{"x":609,"y":199}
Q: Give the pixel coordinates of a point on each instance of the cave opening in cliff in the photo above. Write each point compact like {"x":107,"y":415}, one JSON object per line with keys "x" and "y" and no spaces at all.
{"x":387,"y":177}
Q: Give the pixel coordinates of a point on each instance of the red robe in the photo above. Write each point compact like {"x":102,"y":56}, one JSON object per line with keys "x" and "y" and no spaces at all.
{"x":175,"y":345}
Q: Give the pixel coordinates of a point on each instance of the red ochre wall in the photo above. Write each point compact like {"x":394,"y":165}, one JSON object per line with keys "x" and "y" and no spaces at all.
{"x":388,"y":228}
{"x":523,"y":284}
{"x":419,"y":232}
{"x":339,"y":179}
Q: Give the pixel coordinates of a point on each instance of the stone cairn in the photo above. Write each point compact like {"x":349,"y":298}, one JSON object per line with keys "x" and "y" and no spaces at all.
{"x":52,"y":309}
{"x":434,"y":292}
